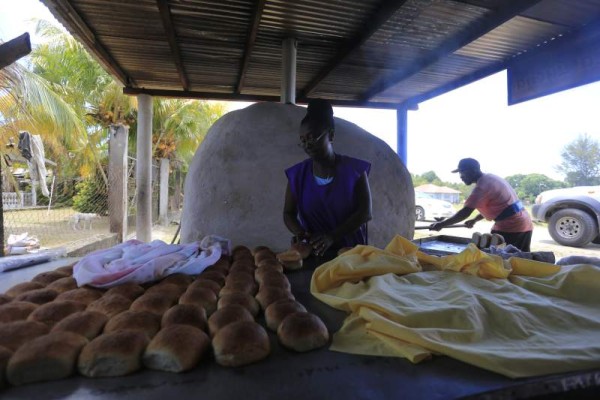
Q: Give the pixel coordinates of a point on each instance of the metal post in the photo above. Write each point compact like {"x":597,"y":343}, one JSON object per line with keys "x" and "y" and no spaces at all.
{"x":288,"y":73}
{"x":143,"y":170}
{"x":117,"y":180}
{"x":401,"y":133}
{"x":163,"y":199}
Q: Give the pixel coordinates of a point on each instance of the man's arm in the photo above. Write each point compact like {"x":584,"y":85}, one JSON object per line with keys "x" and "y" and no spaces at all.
{"x":461,"y":215}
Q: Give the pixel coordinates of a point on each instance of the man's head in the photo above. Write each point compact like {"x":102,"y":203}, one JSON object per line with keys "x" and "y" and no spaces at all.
{"x":469,"y":170}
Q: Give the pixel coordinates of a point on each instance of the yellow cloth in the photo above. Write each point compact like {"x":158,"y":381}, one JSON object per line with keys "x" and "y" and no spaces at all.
{"x":516,"y":317}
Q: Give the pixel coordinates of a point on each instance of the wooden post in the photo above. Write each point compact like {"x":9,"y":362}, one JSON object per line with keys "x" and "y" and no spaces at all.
{"x":177,"y":194}
{"x":163,"y":199}
{"x":143,"y":169}
{"x":117,"y":180}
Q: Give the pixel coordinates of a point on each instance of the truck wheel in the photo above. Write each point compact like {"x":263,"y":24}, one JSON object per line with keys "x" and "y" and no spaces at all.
{"x":572,"y":227}
{"x":420,"y":214}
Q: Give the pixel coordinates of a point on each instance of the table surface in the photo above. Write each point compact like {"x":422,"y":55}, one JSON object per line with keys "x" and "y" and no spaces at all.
{"x":318,"y":374}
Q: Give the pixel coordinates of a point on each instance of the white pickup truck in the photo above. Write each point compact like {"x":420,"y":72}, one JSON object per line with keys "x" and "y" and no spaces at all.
{"x":572,"y":214}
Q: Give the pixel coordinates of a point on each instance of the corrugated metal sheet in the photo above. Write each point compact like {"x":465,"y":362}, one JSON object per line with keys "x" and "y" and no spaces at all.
{"x":353,"y":50}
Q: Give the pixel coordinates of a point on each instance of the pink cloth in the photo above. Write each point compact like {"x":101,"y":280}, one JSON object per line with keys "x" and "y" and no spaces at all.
{"x":493,"y":194}
{"x":139,"y":262}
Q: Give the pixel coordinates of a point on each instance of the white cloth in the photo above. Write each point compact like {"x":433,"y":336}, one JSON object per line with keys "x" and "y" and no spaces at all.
{"x":37,"y":166}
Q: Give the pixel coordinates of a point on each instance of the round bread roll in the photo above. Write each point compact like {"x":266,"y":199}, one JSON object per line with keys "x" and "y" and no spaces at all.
{"x":222,"y":263}
{"x":259,"y":248}
{"x":207,"y":284}
{"x":200,"y":296}
{"x":85,"y":323}
{"x":38,"y":296}
{"x":170,"y":290}
{"x":270,"y":265}
{"x":241,"y":343}
{"x":45,"y":358}
{"x":178,"y":279}
{"x":176,"y":348}
{"x":221,"y":269}
{"x":240,"y":286}
{"x":263,"y":255}
{"x":290,"y":259}
{"x":81,"y":295}
{"x":140,"y":321}
{"x":5,"y":355}
{"x":23,"y":287}
{"x":269,"y":294}
{"x":67,"y":269}
{"x":113,"y":354}
{"x":48,"y":277}
{"x":129,"y":290}
{"x":4,"y":298}
{"x":15,"y":334}
{"x":226,"y":316}
{"x":110,"y":304}
{"x":185,"y":314}
{"x":240,"y":276}
{"x":304,"y":249}
{"x":277,"y":311}
{"x":243,"y":299}
{"x":16,"y":311}
{"x":213,"y":276}
{"x":240,"y":252}
{"x":63,"y":284}
{"x":155,"y":302}
{"x":53,"y":312}
{"x":276,"y":279}
{"x":302,"y":331}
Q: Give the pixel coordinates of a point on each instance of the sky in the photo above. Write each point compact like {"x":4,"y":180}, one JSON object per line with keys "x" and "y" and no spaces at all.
{"x":473,"y":121}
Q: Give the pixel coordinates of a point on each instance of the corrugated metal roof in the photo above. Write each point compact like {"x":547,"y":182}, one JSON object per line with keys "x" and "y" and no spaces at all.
{"x":371,"y":52}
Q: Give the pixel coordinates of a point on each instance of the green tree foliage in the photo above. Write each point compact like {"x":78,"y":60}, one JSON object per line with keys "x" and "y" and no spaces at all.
{"x":425,"y":178}
{"x":581,"y":162}
{"x":529,"y":186}
{"x":92,"y":196}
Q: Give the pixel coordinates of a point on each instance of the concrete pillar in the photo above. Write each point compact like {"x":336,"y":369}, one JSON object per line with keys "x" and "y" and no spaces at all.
{"x":163,"y":199}
{"x":401,"y":133}
{"x":117,"y":180}
{"x":288,"y":73}
{"x":143,"y":169}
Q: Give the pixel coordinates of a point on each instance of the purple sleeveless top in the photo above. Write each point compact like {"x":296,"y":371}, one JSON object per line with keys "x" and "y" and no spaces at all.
{"x":323,"y":208}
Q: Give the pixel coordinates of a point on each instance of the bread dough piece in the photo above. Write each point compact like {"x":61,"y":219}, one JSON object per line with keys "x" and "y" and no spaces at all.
{"x":19,"y":288}
{"x":67,"y":269}
{"x":140,"y":321}
{"x":38,"y":296}
{"x":51,"y":313}
{"x":155,"y":302}
{"x":48,"y":277}
{"x":176,"y":348}
{"x":241,"y":343}
{"x":16,"y":311}
{"x":4,"y":299}
{"x":82,"y":295}
{"x":88,"y":324}
{"x":277,"y":311}
{"x":226,"y":316}
{"x":185,"y":314}
{"x":242,"y":299}
{"x":113,"y":354}
{"x":63,"y":284}
{"x":130,"y":290}
{"x":15,"y":334}
{"x":46,"y":358}
{"x":110,"y":304}
{"x":302,"y":331}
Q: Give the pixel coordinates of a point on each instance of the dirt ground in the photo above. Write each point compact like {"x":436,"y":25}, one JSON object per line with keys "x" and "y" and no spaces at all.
{"x":541,"y":240}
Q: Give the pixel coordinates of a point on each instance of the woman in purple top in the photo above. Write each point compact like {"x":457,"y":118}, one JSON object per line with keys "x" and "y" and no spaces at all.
{"x":327,"y":200}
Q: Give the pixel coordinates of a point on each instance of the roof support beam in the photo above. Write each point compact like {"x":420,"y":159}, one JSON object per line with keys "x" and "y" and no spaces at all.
{"x":68,"y":16}
{"x":509,"y":10}
{"x":14,"y":49}
{"x":165,"y":15}
{"x":382,"y":15}
{"x":253,"y":31}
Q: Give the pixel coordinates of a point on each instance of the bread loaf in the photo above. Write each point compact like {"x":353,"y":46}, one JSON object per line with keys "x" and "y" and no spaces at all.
{"x":269,"y":294}
{"x":48,"y":277}
{"x":53,"y":312}
{"x":81,"y":295}
{"x":242,"y":299}
{"x":227,"y":315}
{"x":155,"y":302}
{"x":19,"y":288}
{"x":38,"y":296}
{"x":113,"y":354}
{"x":88,"y":324}
{"x":110,"y":304}
{"x":129,"y":290}
{"x":290,"y":259}
{"x":14,"y":334}
{"x":185,"y":314}
{"x":140,"y":321}
{"x":200,"y":296}
{"x":16,"y":311}
{"x":176,"y":348}
{"x":277,"y":311}
{"x":63,"y":284}
{"x":241,"y":343}
{"x":46,"y":358}
{"x":302,"y":331}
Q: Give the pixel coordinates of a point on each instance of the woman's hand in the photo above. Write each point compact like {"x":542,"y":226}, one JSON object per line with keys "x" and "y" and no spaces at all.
{"x":320,"y":243}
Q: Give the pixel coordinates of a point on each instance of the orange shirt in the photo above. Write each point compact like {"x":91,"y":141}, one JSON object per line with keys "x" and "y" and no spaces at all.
{"x":493,"y":194}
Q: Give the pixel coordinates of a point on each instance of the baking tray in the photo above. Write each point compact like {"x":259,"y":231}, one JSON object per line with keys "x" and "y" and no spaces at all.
{"x":442,"y":245}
